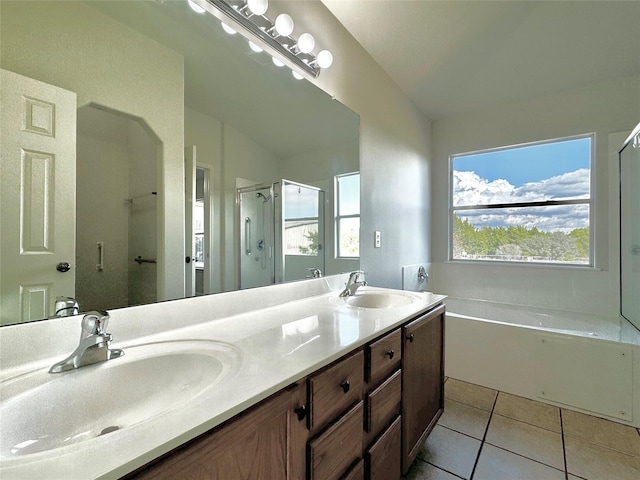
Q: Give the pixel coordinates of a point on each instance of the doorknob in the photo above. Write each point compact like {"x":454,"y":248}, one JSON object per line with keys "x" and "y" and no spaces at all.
{"x":63,"y":267}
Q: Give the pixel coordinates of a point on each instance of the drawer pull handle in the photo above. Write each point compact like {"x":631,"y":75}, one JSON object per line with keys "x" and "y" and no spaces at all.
{"x":410,"y":337}
{"x":301,"y":412}
{"x":390,"y":354}
{"x":345,"y":386}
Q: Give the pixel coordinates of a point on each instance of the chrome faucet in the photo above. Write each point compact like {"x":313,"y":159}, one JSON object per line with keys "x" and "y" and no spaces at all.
{"x":354,"y":283}
{"x":314,"y":273}
{"x":93,"y":346}
{"x":66,"y":307}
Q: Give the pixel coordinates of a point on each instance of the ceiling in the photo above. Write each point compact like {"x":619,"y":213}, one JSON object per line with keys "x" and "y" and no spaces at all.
{"x":451,"y":57}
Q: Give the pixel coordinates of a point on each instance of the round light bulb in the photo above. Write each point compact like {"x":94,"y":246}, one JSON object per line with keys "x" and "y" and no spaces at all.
{"x":258,"y":7}
{"x":255,"y":47}
{"x":277,"y":62}
{"x":195,"y":7}
{"x":306,"y":43}
{"x":284,"y":25}
{"x":296,"y":75}
{"x":228,"y":29}
{"x":324,"y":59}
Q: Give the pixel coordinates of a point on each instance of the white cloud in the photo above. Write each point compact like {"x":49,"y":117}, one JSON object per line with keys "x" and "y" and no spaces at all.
{"x":471,"y":189}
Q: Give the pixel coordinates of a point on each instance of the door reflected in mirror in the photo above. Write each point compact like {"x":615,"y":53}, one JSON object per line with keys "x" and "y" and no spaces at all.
{"x":152,"y":84}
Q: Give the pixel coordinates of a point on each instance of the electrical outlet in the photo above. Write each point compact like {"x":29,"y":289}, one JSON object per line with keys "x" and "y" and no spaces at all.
{"x":376,"y":242}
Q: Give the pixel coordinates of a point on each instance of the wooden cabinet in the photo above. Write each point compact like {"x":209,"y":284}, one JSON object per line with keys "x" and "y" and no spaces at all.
{"x":365,"y":415}
{"x":267,"y":441}
{"x":422,"y":380}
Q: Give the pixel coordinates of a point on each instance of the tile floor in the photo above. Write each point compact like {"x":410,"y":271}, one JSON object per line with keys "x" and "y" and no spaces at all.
{"x":489,"y":435}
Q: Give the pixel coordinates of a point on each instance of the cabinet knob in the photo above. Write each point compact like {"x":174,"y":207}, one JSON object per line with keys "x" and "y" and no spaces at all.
{"x":345,"y":386}
{"x":410,"y":337}
{"x":390,"y":354}
{"x":301,"y":412}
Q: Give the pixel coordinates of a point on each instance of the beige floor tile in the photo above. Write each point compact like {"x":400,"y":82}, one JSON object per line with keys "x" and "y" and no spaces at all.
{"x":594,"y":462}
{"x":532,"y":442}
{"x":528,"y":411}
{"x":470,"y":394}
{"x":573,"y":477}
{"x":464,"y":418}
{"x":451,"y":451}
{"x":601,"y":432}
{"x":425,"y":471}
{"x":498,"y":464}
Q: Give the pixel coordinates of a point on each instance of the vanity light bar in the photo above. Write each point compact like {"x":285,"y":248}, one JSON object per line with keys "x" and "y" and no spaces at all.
{"x":254,"y":26}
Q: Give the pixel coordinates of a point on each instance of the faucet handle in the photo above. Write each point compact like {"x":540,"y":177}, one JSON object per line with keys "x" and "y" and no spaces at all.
{"x":355,"y":276}
{"x":95,"y":323}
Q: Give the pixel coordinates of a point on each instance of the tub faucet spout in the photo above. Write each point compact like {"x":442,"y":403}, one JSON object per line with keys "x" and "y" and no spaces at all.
{"x":354,"y":283}
{"x":93,"y":346}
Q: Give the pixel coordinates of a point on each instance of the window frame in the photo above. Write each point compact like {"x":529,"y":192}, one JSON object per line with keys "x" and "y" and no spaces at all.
{"x":339,"y":217}
{"x":590,"y":202}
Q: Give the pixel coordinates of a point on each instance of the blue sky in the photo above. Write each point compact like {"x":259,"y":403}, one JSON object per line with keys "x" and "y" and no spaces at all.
{"x":528,"y":164}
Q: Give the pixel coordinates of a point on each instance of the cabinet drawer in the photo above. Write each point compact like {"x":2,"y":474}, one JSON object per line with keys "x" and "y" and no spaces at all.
{"x":384,"y":356}
{"x":382,"y":460}
{"x":335,"y":389}
{"x":339,"y":447}
{"x":383,"y":404}
{"x":356,"y":472}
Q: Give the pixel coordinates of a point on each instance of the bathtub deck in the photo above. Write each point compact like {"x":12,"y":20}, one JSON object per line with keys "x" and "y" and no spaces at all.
{"x":611,"y":328}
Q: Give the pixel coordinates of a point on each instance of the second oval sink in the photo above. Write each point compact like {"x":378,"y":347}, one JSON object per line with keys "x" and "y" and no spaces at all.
{"x":379,"y":300}
{"x":42,"y":411}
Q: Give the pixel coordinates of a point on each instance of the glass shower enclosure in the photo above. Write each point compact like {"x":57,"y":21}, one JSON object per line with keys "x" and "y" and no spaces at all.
{"x":281,"y":233}
{"x":630,"y":228}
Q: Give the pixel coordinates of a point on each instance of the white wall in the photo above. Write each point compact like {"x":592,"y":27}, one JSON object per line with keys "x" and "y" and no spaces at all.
{"x":119,"y":69}
{"x":603,"y":108}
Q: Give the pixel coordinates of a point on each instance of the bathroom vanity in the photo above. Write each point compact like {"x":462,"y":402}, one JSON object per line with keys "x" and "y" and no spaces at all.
{"x":308,"y":385}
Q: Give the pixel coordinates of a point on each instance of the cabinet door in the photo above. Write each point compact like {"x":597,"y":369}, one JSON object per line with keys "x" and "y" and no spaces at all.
{"x":266,"y":441}
{"x":422,"y":381}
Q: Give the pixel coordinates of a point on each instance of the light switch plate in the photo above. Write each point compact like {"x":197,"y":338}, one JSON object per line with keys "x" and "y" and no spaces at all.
{"x":376,"y":241}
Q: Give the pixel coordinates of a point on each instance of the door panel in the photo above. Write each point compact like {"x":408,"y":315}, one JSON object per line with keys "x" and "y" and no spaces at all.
{"x":37,"y":165}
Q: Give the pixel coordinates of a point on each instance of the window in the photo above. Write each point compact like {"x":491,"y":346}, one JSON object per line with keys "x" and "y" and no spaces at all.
{"x":198,"y":227}
{"x":348,"y":215}
{"x":301,"y":218}
{"x":527,"y":203}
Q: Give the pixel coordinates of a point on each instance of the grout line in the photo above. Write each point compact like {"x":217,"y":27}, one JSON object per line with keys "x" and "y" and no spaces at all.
{"x":564,"y":451}
{"x":443,"y":469}
{"x":527,"y":458}
{"x":484,"y":437}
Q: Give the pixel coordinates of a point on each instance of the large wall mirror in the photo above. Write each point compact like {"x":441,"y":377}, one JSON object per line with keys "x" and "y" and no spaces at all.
{"x":147,"y":155}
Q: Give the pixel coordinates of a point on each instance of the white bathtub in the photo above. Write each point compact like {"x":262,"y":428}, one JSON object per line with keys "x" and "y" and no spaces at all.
{"x":580,"y":361}
{"x":616,"y":329}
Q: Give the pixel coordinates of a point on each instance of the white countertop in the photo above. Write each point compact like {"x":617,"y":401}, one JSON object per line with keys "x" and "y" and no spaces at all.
{"x":274,"y":346}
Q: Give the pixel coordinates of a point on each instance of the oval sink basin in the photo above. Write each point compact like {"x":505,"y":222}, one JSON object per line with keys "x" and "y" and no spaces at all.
{"x":379,"y":300}
{"x":42,"y":411}
{"x":375,"y":299}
